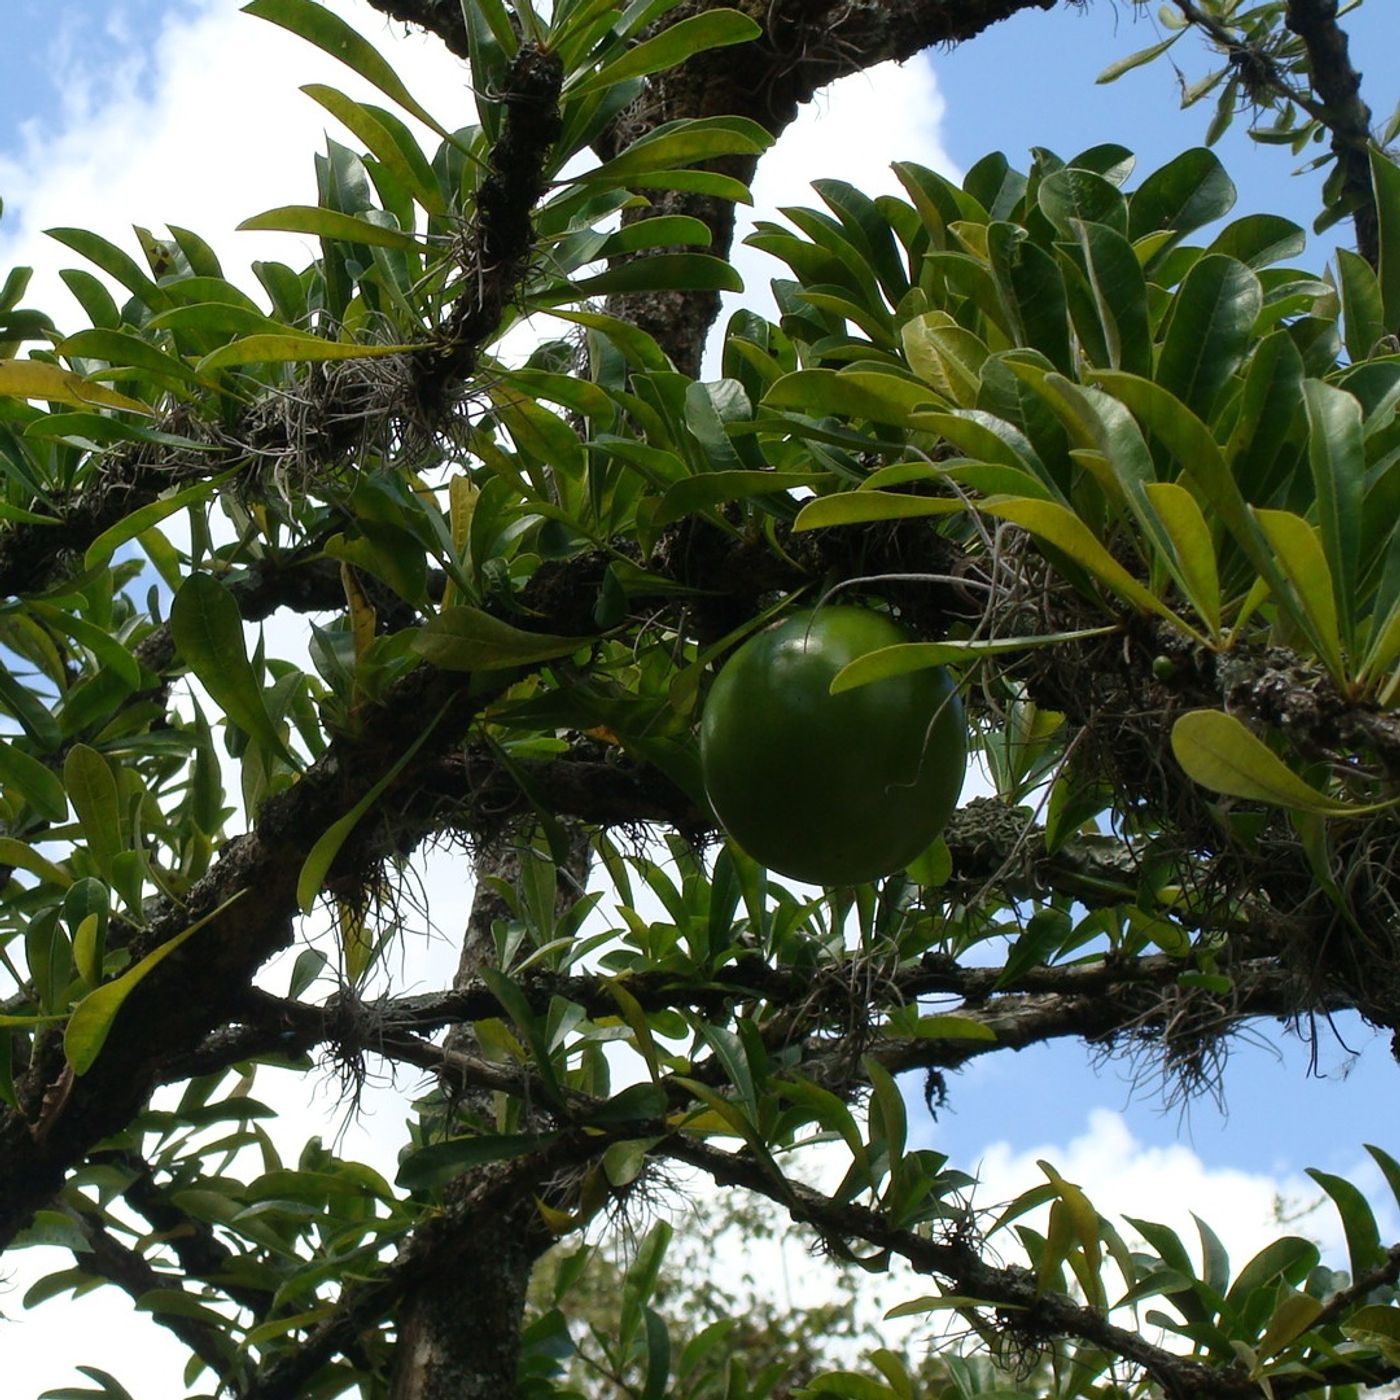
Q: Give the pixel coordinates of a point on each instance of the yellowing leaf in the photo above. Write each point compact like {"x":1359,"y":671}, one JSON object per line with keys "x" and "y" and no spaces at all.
{"x":33,"y":379}
{"x":1300,"y":554}
{"x":860,"y":507}
{"x":1051,"y":522}
{"x":1215,"y":750}
{"x":1377,"y":1325}
{"x":1293,"y":1316}
{"x":1186,"y":527}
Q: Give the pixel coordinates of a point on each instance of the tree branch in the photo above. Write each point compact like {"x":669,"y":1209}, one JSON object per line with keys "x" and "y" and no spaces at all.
{"x":495,"y":262}
{"x":107,"y":1258}
{"x":440,"y":17}
{"x":438,"y":1244}
{"x":1347,"y":117}
{"x":1037,"y":1314}
{"x":1337,"y":107}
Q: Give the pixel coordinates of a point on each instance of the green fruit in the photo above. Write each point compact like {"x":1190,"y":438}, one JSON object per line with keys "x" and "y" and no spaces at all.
{"x":830,"y":789}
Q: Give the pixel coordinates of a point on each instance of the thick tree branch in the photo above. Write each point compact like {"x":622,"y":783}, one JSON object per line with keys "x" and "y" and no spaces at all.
{"x":1337,"y":105}
{"x":495,"y":262}
{"x":1347,"y":118}
{"x":249,"y":900}
{"x":440,"y":17}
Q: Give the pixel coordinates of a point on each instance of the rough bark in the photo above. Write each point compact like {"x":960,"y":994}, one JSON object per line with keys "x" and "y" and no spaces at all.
{"x":1347,"y":117}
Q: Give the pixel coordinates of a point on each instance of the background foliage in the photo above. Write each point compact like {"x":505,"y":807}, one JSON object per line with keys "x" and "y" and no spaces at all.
{"x":1107,"y":454}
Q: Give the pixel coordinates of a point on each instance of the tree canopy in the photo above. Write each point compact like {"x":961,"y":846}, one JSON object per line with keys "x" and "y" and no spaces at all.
{"x":1114,"y":463}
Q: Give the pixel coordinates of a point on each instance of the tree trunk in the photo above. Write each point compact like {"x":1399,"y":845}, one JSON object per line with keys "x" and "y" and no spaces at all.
{"x":459,"y":1329}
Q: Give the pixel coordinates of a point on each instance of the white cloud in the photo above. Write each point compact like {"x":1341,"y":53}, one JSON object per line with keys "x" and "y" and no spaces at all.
{"x":204,"y":131}
{"x":1123,"y":1176}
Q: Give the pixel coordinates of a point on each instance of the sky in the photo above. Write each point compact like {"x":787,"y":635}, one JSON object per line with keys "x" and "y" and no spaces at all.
{"x":114,"y":112}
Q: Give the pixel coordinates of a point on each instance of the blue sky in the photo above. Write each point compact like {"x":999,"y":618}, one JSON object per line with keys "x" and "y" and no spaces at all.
{"x":114,"y":111}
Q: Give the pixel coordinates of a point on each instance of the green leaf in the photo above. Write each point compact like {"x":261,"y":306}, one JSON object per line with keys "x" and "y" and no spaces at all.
{"x":1033,"y":292}
{"x":1119,"y":293}
{"x":1215,"y":750}
{"x":34,"y":717}
{"x":467,"y":639}
{"x":1106,"y":425}
{"x":882,"y":398}
{"x":38,"y":784}
{"x":1337,"y":454}
{"x":293,"y":347}
{"x":738,"y":1122}
{"x":701,"y":139}
{"x":441,"y":1162}
{"x":21,"y":856}
{"x":91,"y":1021}
{"x":1118,"y":67}
{"x":676,"y":43}
{"x":330,"y":223}
{"x":639,"y":349}
{"x":397,"y":151}
{"x":1363,"y":312}
{"x":1260,"y":239}
{"x":1070,"y":198}
{"x":688,"y":272}
{"x":532,"y":1027}
{"x":660,"y":231}
{"x":905,"y":657}
{"x":125,"y":351}
{"x":1358,"y":1223}
{"x":208,"y":634}
{"x":92,"y":789}
{"x":108,"y":650}
{"x":1289,"y":1259}
{"x":139,"y":521}
{"x":1208,"y":331}
{"x":833,"y":1115}
{"x":115,"y":263}
{"x":329,"y":32}
{"x":1187,"y":192}
{"x":1385,"y":181}
{"x":1201,"y":458}
{"x":714,"y":488}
